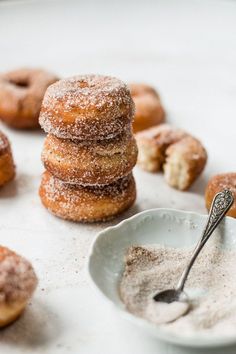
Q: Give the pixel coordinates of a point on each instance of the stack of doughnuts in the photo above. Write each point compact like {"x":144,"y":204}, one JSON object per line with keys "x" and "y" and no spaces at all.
{"x":90,"y":151}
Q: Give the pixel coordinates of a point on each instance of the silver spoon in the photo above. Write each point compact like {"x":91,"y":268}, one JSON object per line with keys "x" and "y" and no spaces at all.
{"x":219,"y":207}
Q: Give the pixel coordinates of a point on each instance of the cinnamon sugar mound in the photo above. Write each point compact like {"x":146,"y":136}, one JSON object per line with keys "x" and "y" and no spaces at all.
{"x":211,"y":286}
{"x":17,"y":277}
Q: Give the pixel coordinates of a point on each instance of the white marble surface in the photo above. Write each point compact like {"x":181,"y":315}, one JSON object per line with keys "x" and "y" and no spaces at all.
{"x":187,"y":49}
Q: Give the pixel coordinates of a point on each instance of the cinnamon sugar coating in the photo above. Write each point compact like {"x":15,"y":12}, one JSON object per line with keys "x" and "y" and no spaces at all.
{"x":17,"y":278}
{"x":86,"y":204}
{"x":148,"y":108}
{"x":7,"y":167}
{"x":99,"y":162}
{"x":185,"y":161}
{"x":87,"y":107}
{"x":216,"y":184}
{"x":21,"y":95}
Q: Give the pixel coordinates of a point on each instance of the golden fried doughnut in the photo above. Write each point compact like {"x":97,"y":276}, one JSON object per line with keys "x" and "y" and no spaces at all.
{"x":7,"y":167}
{"x":217,"y":184}
{"x":87,"y":204}
{"x":87,"y":107}
{"x":185,"y":160}
{"x":99,"y":162}
{"x":21,"y":95}
{"x":181,"y":156}
{"x":148,"y":108}
{"x":17,"y":284}
{"x":152,"y":145}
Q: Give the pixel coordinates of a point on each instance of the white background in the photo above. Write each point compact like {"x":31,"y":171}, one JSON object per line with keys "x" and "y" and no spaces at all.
{"x":187,"y":50}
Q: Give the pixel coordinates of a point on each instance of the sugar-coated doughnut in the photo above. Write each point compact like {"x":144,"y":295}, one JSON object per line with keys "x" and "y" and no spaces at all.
{"x":181,"y":156}
{"x":86,"y":204}
{"x":17,"y":284}
{"x":87,"y":107}
{"x":21,"y":95}
{"x":148,"y":108}
{"x":217,"y":184}
{"x":185,"y":160}
{"x":152,"y":145}
{"x":7,"y":167}
{"x":99,"y":162}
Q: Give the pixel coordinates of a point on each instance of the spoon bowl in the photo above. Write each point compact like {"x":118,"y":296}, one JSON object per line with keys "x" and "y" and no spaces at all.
{"x":171,"y":295}
{"x":169,"y":305}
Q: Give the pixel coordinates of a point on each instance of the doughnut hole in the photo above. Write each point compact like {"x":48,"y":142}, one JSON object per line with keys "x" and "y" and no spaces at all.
{"x":23,"y":83}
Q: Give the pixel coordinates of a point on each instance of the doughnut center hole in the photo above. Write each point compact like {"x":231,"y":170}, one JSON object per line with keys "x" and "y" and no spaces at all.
{"x":20,"y":83}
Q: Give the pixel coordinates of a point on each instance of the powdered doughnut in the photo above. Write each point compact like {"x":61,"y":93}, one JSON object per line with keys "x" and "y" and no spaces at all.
{"x":181,"y":156}
{"x":7,"y":167}
{"x":87,"y":204}
{"x":17,"y":284}
{"x":21,"y":95}
{"x":87,"y":107}
{"x":185,"y":160}
{"x":217,"y":184}
{"x":148,"y":108}
{"x":101,"y":162}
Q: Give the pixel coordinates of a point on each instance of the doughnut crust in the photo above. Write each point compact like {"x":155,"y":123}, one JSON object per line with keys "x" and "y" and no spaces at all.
{"x":185,"y":160}
{"x":21,"y":95}
{"x":17,"y":284}
{"x":87,"y":107}
{"x":86,"y":204}
{"x":94,"y":163}
{"x":148,"y":108}
{"x":217,"y":184}
{"x":7,"y":167}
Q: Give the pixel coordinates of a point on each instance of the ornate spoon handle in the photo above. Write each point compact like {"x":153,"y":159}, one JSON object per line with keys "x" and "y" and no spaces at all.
{"x":219,"y":207}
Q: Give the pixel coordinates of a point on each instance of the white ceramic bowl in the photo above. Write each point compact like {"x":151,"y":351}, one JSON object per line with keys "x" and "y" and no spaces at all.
{"x":168,"y":227}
